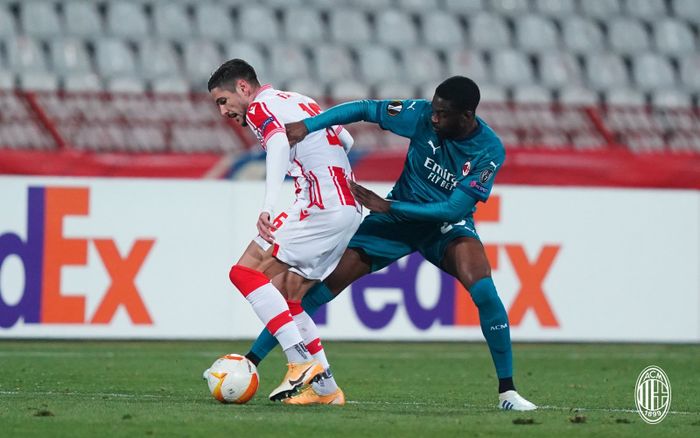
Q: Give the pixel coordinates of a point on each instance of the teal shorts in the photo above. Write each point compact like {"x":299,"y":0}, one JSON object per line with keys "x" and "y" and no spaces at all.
{"x":385,"y":238}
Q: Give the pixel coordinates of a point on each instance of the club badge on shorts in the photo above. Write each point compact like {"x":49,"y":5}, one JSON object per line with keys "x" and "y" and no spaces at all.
{"x":652,"y":394}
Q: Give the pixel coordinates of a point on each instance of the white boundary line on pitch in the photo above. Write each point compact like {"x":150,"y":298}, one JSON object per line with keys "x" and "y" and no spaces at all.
{"x":352,"y":402}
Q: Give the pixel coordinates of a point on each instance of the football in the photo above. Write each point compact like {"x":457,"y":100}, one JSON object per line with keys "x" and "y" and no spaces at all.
{"x":232,"y":379}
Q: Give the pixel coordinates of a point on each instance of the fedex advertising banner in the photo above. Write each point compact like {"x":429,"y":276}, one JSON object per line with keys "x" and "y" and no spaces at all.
{"x":134,"y":258}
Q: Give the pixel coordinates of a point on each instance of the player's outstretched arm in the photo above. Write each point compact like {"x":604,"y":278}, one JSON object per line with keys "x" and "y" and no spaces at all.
{"x":276,"y":163}
{"x":349,"y":112}
{"x":455,"y":208}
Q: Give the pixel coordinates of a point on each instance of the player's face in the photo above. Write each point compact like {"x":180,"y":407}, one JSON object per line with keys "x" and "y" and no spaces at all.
{"x":231,"y":104}
{"x":448,"y":122}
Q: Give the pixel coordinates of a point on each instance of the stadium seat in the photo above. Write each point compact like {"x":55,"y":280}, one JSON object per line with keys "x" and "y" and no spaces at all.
{"x":171,"y":21}
{"x":441,"y":30}
{"x":653,"y":72}
{"x":670,"y":98}
{"x":421,"y":6}
{"x":421,"y":64}
{"x":578,"y":96}
{"x":427,"y":90}
{"x":600,"y":9}
{"x":82,"y":18}
{"x":114,"y":58}
{"x":24,"y":54}
{"x":395,"y":28}
{"x":333,"y":63}
{"x":38,"y":81}
{"x":39,"y":19}
{"x":377,"y":63}
{"x":157,"y":59}
{"x":605,"y":71}
{"x":582,"y":35}
{"x":625,"y":96}
{"x":288,"y":62}
{"x":303,"y":25}
{"x":532,"y":94}
{"x":213,"y":22}
{"x":468,"y":63}
{"x":7,"y":23}
{"x":82,"y":82}
{"x":487,"y":31}
{"x":307,"y":87}
{"x":258,"y":24}
{"x":126,"y":84}
{"x":627,"y":35}
{"x":464,"y":6}
{"x":559,"y":69}
{"x":649,"y":10}
{"x":371,"y":5}
{"x":394,"y":90}
{"x":69,"y":55}
{"x":252,"y":54}
{"x":687,"y":10}
{"x":535,"y":33}
{"x":201,"y":58}
{"x":342,"y":91}
{"x":350,"y":27}
{"x":511,"y":8}
{"x":673,"y":37}
{"x":127,"y":20}
{"x":170,"y":84}
{"x":556,"y":8}
{"x":689,"y":68}
{"x":511,"y":67}
{"x":7,"y":80}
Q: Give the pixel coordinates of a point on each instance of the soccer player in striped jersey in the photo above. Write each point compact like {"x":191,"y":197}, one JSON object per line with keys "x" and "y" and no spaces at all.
{"x":303,"y":243}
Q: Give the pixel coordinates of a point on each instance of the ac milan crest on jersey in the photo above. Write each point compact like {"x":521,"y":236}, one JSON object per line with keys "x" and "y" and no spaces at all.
{"x":466,"y":168}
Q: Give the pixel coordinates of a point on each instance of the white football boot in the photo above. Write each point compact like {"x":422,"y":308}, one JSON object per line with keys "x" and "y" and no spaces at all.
{"x":512,"y":401}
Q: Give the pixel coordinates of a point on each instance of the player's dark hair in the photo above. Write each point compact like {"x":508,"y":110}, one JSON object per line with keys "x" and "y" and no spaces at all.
{"x":461,"y":92}
{"x":229,"y":72}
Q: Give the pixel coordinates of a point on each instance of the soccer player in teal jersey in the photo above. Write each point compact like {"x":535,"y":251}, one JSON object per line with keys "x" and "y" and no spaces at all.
{"x":452,"y":160}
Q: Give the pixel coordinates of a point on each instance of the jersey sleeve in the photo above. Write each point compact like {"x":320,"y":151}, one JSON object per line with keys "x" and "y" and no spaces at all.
{"x":480,"y":176}
{"x":263,"y":121}
{"x":402,"y":117}
{"x":457,"y":206}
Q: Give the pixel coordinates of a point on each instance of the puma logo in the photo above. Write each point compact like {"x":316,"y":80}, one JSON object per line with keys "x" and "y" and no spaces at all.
{"x":432,"y":145}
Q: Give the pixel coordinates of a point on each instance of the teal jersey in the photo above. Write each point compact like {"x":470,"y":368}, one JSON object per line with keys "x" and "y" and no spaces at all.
{"x":435,"y":167}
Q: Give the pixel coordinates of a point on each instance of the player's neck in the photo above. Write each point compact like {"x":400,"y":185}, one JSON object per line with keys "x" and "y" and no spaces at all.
{"x":469,"y":131}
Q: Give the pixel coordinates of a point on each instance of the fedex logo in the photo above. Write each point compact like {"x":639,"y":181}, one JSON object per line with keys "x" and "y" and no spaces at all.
{"x":454,"y":306}
{"x":45,"y":251}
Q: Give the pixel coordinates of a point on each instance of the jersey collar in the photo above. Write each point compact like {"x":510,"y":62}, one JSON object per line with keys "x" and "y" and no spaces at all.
{"x":262,"y":90}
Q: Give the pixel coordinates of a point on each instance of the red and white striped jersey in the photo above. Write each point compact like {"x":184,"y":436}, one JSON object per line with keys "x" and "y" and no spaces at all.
{"x":319,"y":163}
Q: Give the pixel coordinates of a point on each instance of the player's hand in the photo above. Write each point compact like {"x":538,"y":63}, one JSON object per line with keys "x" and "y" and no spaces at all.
{"x":265,"y":228}
{"x":296,"y":132}
{"x":368,"y":198}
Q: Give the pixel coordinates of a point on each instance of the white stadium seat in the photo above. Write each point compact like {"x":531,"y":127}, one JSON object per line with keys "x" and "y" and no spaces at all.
{"x":307,"y":87}
{"x":673,"y":37}
{"x":82,"y":18}
{"x":7,"y":80}
{"x":40,"y":18}
{"x":158,"y":59}
{"x":649,"y":10}
{"x":126,"y":84}
{"x":627,"y":35}
{"x":303,"y":25}
{"x":492,"y":93}
{"x":252,"y":54}
{"x":653,"y":72}
{"x":288,"y":62}
{"x":348,"y":90}
{"x":556,"y":8}
{"x":114,"y":58}
{"x":582,"y":35}
{"x":441,"y":30}
{"x":371,"y":5}
{"x":559,"y":69}
{"x":605,"y":71}
{"x":535,"y":33}
{"x":201,"y":58}
{"x":127,"y":20}
{"x":532,"y":94}
{"x":510,"y":67}
{"x":394,"y":90}
{"x":671,"y":98}
{"x":487,"y":31}
{"x":333,"y":63}
{"x":24,"y":54}
{"x":577,"y":96}
{"x":170,"y":84}
{"x":7,"y":23}
{"x":468,"y":63}
{"x":82,"y":82}
{"x":687,"y":10}
{"x":213,"y":21}
{"x":421,"y":64}
{"x":421,"y":6}
{"x":510,"y":7}
{"x":377,"y":63}
{"x":395,"y":28}
{"x":38,"y":81}
{"x":349,"y":26}
{"x":689,"y":68}
{"x":625,"y":97}
{"x":171,"y":21}
{"x":464,"y":6}
{"x":258,"y":23}
{"x":69,"y":55}
{"x":601,"y":9}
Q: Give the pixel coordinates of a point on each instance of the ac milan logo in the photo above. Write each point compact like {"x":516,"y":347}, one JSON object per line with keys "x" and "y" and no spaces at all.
{"x":466,"y":168}
{"x":653,"y":394}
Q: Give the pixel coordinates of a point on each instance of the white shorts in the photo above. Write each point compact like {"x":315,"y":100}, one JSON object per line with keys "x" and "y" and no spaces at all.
{"x":312,"y":240}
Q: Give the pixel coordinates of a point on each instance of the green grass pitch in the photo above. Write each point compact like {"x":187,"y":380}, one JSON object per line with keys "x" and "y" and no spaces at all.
{"x":132,"y":389}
